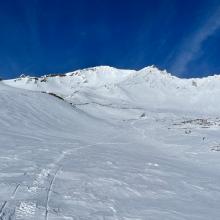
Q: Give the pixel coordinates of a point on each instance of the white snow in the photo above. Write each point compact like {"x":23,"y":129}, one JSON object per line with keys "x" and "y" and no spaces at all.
{"x":109,"y":144}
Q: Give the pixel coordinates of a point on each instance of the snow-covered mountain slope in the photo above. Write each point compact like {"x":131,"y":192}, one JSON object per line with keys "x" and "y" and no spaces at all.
{"x":108,"y":144}
{"x":148,"y":87}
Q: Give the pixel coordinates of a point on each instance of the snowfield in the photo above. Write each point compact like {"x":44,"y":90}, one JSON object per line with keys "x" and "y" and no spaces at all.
{"x":109,"y":144}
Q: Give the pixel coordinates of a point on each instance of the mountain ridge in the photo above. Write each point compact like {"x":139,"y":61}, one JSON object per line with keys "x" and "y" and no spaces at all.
{"x":106,"y":68}
{"x":148,"y":87}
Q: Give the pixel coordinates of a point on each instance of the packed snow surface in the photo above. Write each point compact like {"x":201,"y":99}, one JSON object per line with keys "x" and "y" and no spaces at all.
{"x":109,"y":144}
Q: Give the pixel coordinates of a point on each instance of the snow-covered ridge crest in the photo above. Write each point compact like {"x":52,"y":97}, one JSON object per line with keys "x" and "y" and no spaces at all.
{"x":112,"y":71}
{"x":106,"y":75}
{"x":149,"y":86}
{"x":89,"y":77}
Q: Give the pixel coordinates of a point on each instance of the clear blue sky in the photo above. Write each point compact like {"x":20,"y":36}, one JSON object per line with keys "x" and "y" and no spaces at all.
{"x":47,"y":36}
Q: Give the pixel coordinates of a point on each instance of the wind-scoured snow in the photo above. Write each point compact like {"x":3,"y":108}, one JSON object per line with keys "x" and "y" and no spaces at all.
{"x":109,"y":144}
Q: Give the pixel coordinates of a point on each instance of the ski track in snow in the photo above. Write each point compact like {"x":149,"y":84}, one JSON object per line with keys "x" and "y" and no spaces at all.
{"x":49,"y":175}
{"x":5,"y":204}
{"x":49,"y":193}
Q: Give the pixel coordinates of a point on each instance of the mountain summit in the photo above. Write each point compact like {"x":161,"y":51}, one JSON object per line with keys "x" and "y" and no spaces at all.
{"x":149,"y":87}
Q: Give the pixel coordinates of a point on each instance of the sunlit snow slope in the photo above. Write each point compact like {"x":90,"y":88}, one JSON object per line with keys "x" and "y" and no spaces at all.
{"x":109,"y":144}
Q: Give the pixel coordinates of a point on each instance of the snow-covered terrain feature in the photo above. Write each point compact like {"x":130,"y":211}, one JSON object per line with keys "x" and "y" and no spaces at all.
{"x":109,"y":144}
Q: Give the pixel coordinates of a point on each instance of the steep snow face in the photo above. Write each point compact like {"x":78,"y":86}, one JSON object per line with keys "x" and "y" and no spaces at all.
{"x":149,"y":87}
{"x":108,"y":144}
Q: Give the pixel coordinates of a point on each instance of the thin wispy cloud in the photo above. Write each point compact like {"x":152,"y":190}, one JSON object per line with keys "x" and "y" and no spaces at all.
{"x":192,"y":45}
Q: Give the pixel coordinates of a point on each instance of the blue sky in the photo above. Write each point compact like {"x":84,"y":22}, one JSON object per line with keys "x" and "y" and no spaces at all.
{"x":50,"y":36}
